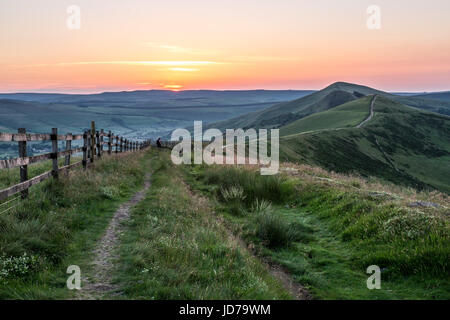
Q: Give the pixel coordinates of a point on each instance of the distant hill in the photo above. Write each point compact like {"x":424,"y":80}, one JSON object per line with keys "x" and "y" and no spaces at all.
{"x":400,"y":144}
{"x":151,"y":112}
{"x":134,"y":114}
{"x":442,"y":96}
{"x":333,"y":95}
{"x":164,"y":98}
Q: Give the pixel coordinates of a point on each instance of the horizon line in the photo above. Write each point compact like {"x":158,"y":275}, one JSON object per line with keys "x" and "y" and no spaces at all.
{"x":32,"y":91}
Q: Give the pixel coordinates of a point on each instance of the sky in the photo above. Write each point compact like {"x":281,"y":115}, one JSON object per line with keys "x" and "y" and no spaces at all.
{"x":226,"y":44}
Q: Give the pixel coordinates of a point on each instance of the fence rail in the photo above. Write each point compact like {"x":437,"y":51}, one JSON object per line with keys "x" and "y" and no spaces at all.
{"x":93,"y":148}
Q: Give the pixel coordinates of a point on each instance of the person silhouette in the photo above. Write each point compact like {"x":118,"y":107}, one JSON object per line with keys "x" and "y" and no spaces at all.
{"x":158,"y":143}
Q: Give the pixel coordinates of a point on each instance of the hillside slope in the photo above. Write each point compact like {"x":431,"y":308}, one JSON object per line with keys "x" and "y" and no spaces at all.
{"x":400,"y":144}
{"x":347,"y":115}
{"x":331,"y":96}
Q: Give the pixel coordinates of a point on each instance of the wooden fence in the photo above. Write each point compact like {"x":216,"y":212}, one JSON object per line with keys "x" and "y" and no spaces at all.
{"x":93,"y":148}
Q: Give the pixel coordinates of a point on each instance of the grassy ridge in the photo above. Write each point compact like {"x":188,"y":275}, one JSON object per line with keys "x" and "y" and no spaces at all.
{"x":334,"y":95}
{"x":336,"y":232}
{"x":59,"y":224}
{"x":399,"y":144}
{"x":347,"y":115}
{"x":175,"y":248}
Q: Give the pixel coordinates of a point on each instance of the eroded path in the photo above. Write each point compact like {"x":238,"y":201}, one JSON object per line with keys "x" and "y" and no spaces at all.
{"x":371,"y":112}
{"x":98,"y":283}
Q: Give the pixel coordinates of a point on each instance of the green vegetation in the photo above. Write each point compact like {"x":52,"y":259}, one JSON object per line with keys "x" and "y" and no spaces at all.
{"x":347,"y":115}
{"x":10,"y":177}
{"x":334,"y":95}
{"x":59,"y":224}
{"x":175,"y":248}
{"x":326,"y":232}
{"x":183,"y":241}
{"x":399,"y":144}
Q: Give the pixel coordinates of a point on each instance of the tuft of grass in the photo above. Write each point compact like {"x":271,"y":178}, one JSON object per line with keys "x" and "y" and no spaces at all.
{"x":255,"y":186}
{"x":260,"y":206}
{"x":273,"y":231}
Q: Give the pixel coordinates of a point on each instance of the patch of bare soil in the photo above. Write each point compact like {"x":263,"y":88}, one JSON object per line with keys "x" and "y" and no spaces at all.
{"x":99,"y":283}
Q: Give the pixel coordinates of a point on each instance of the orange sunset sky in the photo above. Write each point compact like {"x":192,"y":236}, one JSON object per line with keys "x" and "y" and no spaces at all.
{"x":248,"y":44}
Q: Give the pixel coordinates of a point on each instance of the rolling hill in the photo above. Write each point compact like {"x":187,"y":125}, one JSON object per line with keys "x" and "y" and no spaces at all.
{"x":349,"y":114}
{"x":135,"y":114}
{"x":164,"y":98}
{"x":401,"y":144}
{"x":442,"y":96}
{"x":334,"y":95}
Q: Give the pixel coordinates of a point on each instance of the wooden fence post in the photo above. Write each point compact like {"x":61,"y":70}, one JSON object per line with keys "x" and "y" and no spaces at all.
{"x":54,"y":137}
{"x":68,"y":148}
{"x":85,"y":149}
{"x":117,"y":144}
{"x":121,"y":144}
{"x":97,"y":139}
{"x":23,"y":169}
{"x":89,"y":145}
{"x":92,"y":141}
{"x":102,"y":133}
{"x":110,"y":136}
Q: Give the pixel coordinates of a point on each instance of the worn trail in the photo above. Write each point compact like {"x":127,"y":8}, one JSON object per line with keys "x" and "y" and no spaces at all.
{"x":99,"y":283}
{"x":371,"y":112}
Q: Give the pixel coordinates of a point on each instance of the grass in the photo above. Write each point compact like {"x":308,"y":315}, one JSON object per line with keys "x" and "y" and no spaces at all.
{"x":254,"y":186}
{"x":327,"y":232}
{"x":176,"y":248}
{"x":325,"y":228}
{"x":59,"y":224}
{"x":399,"y":144}
{"x":347,"y":115}
{"x":10,"y":177}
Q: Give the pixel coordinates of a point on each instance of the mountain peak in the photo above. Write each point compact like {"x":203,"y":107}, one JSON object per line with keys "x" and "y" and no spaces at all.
{"x":340,"y":84}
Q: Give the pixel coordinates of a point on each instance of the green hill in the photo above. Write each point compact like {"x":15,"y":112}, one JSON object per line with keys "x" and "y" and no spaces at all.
{"x":401,"y":144}
{"x":347,"y":115}
{"x":334,"y":95}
